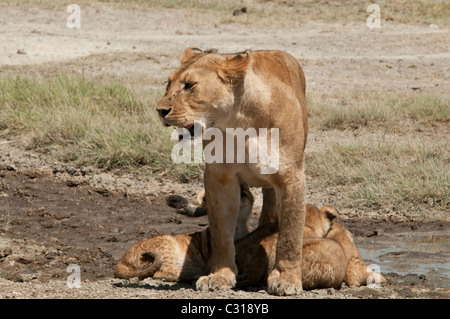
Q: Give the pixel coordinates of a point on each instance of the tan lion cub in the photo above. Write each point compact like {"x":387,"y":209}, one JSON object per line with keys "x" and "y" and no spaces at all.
{"x":322,"y":224}
{"x":357,"y":272}
{"x":186,"y":257}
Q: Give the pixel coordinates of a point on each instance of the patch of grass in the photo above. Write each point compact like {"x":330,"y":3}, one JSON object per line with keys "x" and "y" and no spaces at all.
{"x":289,"y":12}
{"x":110,"y":125}
{"x":384,"y":173}
{"x":416,"y":11}
{"x":107,"y":125}
{"x":394,"y":112}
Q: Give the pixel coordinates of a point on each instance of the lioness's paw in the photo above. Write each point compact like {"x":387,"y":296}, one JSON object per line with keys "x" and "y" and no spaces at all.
{"x":216,"y":282}
{"x":202,"y":283}
{"x":277,"y":285}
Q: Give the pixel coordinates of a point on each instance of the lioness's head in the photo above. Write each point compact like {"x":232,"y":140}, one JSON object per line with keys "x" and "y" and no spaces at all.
{"x":318,"y":222}
{"x":201,"y":89}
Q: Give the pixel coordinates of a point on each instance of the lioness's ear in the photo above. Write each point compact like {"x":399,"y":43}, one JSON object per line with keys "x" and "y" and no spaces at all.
{"x":189,"y":53}
{"x":233,"y":69}
{"x":330,"y":212}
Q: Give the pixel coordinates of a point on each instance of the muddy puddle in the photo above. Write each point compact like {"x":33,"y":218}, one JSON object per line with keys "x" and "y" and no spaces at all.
{"x":426,"y":256}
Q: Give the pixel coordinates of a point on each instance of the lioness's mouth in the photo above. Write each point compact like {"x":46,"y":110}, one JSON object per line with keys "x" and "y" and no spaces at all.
{"x":183,"y":132}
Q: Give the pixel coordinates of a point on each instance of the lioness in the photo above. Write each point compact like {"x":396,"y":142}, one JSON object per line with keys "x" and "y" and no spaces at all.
{"x":186,"y":257}
{"x":247,"y":90}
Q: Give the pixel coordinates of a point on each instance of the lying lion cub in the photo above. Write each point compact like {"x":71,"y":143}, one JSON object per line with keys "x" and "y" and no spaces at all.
{"x":185,"y":257}
{"x":327,"y":262}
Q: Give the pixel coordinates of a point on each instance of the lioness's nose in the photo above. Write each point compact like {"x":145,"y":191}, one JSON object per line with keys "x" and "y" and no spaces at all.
{"x":163,"y":111}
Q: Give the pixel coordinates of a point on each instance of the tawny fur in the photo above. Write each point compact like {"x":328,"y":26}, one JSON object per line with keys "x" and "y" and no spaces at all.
{"x":327,"y":262}
{"x":252,"y":89}
{"x":184,"y":258}
{"x":357,"y":271}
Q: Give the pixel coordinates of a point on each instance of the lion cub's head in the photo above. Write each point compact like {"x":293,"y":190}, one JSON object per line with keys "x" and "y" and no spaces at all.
{"x":201,"y":89}
{"x":318,"y":222}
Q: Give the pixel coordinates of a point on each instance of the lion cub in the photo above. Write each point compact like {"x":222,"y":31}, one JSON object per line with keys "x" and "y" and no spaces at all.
{"x":358,"y":272}
{"x":322,"y":224}
{"x":185,"y":257}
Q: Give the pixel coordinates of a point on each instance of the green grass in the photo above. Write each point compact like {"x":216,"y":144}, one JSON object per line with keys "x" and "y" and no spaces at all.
{"x":394,"y":112}
{"x":383,"y":174}
{"x":92,"y":123}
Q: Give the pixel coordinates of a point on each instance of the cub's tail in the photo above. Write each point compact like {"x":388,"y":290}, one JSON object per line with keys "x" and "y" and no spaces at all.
{"x":138,"y":266}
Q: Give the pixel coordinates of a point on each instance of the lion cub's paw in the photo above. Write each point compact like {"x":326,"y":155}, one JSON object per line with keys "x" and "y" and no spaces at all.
{"x":216,"y":282}
{"x":283,"y":285}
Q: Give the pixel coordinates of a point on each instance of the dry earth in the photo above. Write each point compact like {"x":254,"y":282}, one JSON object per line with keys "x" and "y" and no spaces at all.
{"x":54,"y":214}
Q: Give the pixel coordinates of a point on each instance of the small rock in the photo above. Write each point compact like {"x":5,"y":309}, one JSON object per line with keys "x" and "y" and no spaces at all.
{"x":112,"y":240}
{"x":20,"y":51}
{"x":331,"y":291}
{"x":239,"y":11}
{"x":102,"y":191}
{"x":24,"y":261}
{"x":72,"y":171}
{"x":32,"y":175}
{"x":5,"y":253}
{"x":72,"y":183}
{"x":11,"y":168}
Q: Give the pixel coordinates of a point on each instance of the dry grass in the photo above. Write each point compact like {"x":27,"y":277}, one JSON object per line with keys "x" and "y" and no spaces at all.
{"x":91,"y":123}
{"x":394,"y":112}
{"x":110,"y":125}
{"x":378,"y":173}
{"x":385,"y":174}
{"x":289,"y":12}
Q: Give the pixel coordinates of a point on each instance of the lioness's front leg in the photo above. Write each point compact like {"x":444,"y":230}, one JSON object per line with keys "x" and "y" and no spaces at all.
{"x":285,"y":278}
{"x":222,"y":201}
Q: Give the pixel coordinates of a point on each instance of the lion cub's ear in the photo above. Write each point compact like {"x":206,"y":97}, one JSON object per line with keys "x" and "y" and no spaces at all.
{"x":232,"y":70}
{"x":330,"y":212}
{"x":189,"y":53}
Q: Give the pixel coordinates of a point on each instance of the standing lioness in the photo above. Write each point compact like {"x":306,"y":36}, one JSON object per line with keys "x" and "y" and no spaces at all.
{"x":250,"y":91}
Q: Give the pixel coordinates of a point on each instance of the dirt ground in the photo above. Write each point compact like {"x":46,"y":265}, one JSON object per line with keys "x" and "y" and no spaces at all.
{"x":54,"y":214}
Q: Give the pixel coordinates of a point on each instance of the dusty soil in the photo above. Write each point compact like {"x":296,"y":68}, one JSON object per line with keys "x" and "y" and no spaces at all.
{"x":56,"y":215}
{"x":53,"y":214}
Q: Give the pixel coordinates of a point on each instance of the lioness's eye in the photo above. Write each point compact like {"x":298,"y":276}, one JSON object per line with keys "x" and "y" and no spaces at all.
{"x":188,"y":86}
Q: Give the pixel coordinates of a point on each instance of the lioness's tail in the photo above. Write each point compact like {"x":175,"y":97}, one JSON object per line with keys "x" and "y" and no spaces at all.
{"x":144,"y":266}
{"x":184,"y":207}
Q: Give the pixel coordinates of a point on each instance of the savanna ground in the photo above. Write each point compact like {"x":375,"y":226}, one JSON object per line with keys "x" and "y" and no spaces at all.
{"x":85,"y":164}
